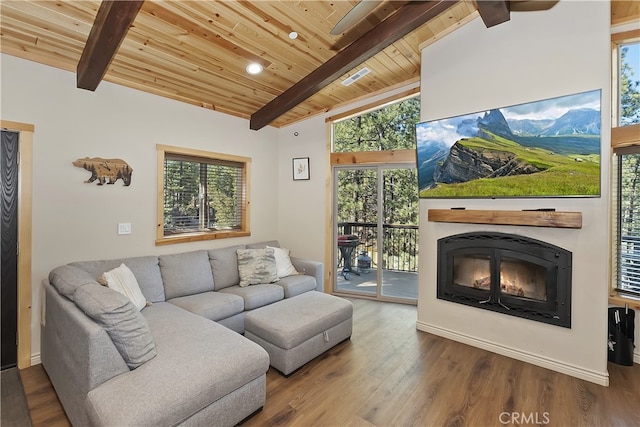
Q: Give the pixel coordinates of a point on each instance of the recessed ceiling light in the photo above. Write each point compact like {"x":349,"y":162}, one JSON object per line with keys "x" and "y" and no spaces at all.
{"x":254,"y":68}
{"x":293,"y":35}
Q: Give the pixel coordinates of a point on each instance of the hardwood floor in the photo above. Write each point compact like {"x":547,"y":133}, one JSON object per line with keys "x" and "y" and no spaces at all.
{"x":390,"y":374}
{"x":44,"y":406}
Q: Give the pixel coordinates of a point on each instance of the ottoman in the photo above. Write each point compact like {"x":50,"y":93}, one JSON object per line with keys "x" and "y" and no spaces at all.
{"x":296,"y":330}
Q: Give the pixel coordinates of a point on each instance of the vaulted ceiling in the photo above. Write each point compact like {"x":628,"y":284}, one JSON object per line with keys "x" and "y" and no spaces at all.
{"x":197,"y":51}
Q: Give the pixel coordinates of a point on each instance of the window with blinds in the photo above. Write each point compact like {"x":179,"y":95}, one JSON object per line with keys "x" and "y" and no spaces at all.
{"x":625,"y":179}
{"x":204,"y":195}
{"x":628,"y":218}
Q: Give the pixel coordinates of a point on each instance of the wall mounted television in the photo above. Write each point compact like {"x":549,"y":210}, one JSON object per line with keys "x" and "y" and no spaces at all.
{"x":547,"y":148}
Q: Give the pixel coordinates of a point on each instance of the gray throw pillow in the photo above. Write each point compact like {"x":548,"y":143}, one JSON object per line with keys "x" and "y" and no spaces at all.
{"x":125,"y":325}
{"x":67,"y":278}
{"x":257,"y":266}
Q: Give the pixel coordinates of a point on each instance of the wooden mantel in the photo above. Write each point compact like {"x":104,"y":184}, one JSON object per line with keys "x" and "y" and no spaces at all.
{"x":533,"y":218}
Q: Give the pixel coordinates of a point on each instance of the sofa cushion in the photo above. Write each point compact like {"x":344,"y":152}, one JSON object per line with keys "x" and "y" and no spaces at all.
{"x":296,"y":285}
{"x":262,"y":245}
{"x":257,"y":295}
{"x":256,"y":266}
{"x":212,"y":305}
{"x":186,"y":273}
{"x":198,"y":362}
{"x":122,"y":280}
{"x":124,"y":324}
{"x":67,"y":278}
{"x":224,"y":265}
{"x":284,"y":266}
{"x":145,"y":268}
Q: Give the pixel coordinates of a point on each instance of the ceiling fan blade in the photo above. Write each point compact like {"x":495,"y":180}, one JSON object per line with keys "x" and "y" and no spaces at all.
{"x":531,"y":5}
{"x":355,"y":15}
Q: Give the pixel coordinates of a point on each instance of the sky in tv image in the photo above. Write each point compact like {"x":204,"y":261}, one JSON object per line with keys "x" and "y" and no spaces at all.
{"x":547,"y":148}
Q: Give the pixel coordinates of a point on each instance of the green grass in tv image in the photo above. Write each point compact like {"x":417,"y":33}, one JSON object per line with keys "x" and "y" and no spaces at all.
{"x":563,"y":172}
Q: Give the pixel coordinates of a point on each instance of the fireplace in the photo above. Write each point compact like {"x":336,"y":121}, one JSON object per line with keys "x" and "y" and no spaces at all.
{"x":506,"y":273}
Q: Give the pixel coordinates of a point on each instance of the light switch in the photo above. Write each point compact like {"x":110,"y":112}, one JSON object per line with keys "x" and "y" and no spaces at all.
{"x":124,"y":228}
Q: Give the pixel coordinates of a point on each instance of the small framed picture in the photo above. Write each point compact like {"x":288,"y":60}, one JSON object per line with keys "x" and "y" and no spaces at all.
{"x":300,"y":168}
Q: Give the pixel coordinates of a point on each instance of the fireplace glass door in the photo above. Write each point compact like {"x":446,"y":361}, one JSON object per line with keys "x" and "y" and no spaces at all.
{"x":510,"y":274}
{"x":527,"y":281}
{"x":523,"y":279}
{"x":472,"y":270}
{"x":491,"y":273}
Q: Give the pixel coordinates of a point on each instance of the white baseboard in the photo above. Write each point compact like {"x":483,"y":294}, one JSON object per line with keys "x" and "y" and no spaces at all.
{"x":495,"y":348}
{"x":35,"y":359}
{"x":601,"y":378}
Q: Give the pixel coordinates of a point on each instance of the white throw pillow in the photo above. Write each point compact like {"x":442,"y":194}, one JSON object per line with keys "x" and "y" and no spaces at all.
{"x":122,"y":280}
{"x":283,"y":262}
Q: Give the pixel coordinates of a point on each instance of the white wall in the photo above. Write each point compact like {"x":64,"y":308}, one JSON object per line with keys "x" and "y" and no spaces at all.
{"x":302,"y":218}
{"x":534,"y":56}
{"x":77,"y":221}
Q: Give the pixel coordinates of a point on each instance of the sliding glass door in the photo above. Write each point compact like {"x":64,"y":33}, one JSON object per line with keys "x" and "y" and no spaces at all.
{"x":376,"y":232}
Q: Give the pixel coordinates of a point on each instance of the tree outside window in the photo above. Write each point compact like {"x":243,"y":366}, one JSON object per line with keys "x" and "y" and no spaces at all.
{"x":204,"y":195}
{"x":389,"y":128}
{"x":629,"y":83}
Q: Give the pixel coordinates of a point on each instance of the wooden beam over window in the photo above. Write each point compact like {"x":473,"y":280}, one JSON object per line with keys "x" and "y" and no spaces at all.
{"x":109,"y":29}
{"x":494,"y":12}
{"x":401,"y":23}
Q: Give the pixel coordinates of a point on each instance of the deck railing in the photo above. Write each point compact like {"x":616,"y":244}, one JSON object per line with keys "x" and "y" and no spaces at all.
{"x":400,"y":243}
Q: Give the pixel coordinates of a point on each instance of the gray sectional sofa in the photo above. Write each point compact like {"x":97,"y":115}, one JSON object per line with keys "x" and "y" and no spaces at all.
{"x":183,"y":359}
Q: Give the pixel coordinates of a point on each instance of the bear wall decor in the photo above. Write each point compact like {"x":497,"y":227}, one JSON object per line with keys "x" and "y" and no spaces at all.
{"x":105,"y":171}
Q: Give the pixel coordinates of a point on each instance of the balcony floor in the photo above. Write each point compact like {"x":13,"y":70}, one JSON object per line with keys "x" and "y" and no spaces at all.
{"x":396,"y":284}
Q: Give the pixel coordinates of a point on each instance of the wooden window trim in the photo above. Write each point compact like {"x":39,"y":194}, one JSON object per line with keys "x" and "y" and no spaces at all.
{"x":621,"y":137}
{"x":620,"y":134}
{"x":615,"y":297}
{"x":244,"y":230}
{"x":625,"y":37}
{"x":405,"y":156}
{"x":620,"y":300}
{"x":625,"y":136}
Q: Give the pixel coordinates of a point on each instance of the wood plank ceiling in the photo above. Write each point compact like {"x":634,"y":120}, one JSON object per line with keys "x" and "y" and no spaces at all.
{"x":197,"y":51}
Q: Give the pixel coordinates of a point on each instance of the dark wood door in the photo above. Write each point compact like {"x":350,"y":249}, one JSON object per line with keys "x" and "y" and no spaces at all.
{"x":9,"y":252}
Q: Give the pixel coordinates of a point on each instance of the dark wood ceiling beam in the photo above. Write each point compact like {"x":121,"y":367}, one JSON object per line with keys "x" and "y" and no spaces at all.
{"x":109,"y":29}
{"x":494,"y":12}
{"x":408,"y":18}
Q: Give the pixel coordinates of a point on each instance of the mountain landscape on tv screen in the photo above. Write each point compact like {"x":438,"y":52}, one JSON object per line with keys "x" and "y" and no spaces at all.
{"x":547,"y":148}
